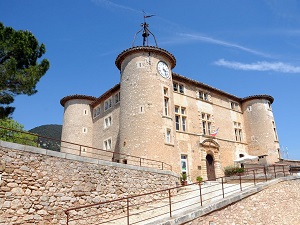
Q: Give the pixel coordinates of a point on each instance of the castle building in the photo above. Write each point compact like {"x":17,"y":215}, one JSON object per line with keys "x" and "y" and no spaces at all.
{"x":157,"y":114}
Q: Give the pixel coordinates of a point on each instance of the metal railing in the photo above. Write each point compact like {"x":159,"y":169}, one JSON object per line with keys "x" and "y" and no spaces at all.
{"x":26,"y":138}
{"x":164,"y":204}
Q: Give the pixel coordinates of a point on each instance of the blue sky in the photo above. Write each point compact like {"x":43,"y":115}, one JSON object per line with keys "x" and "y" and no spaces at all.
{"x":242,"y":47}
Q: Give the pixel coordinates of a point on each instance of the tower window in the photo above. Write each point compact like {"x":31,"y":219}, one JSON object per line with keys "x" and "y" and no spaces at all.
{"x":107,"y":144}
{"x":180,"y":118}
{"x":269,"y":105}
{"x":166,"y":101}
{"x":275,"y":132}
{"x":168,"y":136}
{"x":166,"y":106}
{"x":166,"y":90}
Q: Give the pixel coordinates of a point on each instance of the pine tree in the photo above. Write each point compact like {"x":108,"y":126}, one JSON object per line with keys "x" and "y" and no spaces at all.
{"x":19,"y":67}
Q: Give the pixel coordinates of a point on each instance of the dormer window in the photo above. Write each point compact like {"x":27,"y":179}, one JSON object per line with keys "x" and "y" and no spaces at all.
{"x":177,"y":87}
{"x":117,"y":98}
{"x":108,"y":104}
{"x":234,"y":106}
{"x":97,"y":111}
{"x":203,"y":95}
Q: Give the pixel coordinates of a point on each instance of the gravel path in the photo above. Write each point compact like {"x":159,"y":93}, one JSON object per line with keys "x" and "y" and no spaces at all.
{"x":277,"y":205}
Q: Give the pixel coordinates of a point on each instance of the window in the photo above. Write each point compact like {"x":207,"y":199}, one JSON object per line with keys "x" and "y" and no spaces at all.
{"x":203,"y":95}
{"x":117,"y":98}
{"x":177,"y":121}
{"x":178,"y":87}
{"x":83,"y":149}
{"x":249,"y":108}
{"x":166,"y":101}
{"x":180,"y":118}
{"x":234,"y":106}
{"x":269,"y":105}
{"x":238,"y":131}
{"x":108,"y":104}
{"x":85,"y":112}
{"x":166,"y":106}
{"x":166,"y":91}
{"x":206,"y":123}
{"x":107,"y":121}
{"x":183,"y":162}
{"x":107,"y":144}
{"x":141,"y":109}
{"x":97,"y":111}
{"x":84,"y":130}
{"x":175,"y":87}
{"x":275,"y":132}
{"x":140,"y":64}
{"x":168,"y":136}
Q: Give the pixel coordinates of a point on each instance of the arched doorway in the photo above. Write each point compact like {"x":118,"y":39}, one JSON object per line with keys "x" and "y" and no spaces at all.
{"x":210,"y":167}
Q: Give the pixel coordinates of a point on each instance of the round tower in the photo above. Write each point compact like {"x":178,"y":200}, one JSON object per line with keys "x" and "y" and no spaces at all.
{"x":146,"y":106}
{"x":260,"y":128}
{"x":77,"y":125}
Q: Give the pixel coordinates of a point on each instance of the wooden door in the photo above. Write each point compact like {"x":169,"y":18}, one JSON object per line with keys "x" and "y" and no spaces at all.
{"x":210,"y":167}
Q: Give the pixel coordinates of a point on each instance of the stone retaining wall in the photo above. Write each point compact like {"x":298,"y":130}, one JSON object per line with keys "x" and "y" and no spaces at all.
{"x":37,"y":188}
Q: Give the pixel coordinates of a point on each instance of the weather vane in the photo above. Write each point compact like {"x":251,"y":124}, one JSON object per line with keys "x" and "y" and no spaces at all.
{"x":146,"y":31}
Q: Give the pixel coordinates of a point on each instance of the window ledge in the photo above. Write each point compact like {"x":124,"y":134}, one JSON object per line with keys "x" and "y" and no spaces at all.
{"x":167,"y":117}
{"x":169,"y":144}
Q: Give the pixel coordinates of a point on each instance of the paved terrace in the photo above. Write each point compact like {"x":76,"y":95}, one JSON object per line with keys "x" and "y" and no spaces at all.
{"x":277,"y":200}
{"x":278,"y":204}
{"x":186,"y":205}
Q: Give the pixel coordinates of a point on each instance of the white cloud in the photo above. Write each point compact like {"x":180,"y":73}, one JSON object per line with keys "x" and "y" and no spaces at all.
{"x":202,"y":38}
{"x":260,"y":66}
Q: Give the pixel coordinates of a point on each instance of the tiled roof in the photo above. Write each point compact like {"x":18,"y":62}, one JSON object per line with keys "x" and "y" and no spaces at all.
{"x":95,"y":101}
{"x":156,"y":50}
{"x":267,"y":97}
{"x":210,"y":88}
{"x":105,"y":95}
{"x":70,"y":97}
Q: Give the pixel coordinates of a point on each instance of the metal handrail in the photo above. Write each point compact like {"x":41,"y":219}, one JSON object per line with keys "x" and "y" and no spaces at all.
{"x":166,"y":201}
{"x":101,"y":154}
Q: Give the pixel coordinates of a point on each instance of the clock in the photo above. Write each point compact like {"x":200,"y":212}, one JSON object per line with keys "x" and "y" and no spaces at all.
{"x":163,"y":69}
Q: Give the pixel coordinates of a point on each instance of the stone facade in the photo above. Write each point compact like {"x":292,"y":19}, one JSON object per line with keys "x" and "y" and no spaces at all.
{"x":171,"y":119}
{"x":36,"y":188}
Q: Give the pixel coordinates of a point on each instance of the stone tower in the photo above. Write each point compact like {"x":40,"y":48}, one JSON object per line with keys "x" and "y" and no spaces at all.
{"x":260,"y":127}
{"x":146,"y":106}
{"x":78,"y":123}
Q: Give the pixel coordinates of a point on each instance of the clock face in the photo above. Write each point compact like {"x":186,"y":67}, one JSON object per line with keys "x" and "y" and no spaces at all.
{"x":163,"y":69}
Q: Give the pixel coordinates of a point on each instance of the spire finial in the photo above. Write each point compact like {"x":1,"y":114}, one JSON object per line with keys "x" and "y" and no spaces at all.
{"x":146,"y":31}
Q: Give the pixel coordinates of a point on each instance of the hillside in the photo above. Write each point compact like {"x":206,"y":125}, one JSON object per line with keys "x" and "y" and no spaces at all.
{"x":52,"y":131}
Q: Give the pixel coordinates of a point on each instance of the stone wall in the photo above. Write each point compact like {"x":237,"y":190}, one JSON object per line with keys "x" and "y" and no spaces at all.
{"x":36,"y":188}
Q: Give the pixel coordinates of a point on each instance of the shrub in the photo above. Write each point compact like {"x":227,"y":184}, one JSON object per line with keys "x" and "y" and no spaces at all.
{"x":183,"y":177}
{"x":233,"y":170}
{"x":199,"y":179}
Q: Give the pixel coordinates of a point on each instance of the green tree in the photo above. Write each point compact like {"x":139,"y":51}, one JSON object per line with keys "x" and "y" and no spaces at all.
{"x":19,"y":67}
{"x":11,"y":131}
